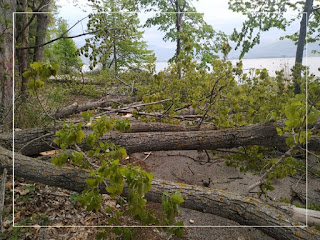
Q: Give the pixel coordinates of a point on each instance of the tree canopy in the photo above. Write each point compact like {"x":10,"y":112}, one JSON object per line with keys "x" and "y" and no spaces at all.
{"x":182,"y":24}
{"x":265,"y":15}
{"x":118,"y":42}
{"x":64,"y":51}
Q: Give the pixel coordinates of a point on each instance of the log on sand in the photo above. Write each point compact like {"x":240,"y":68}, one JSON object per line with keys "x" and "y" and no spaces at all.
{"x":259,"y":134}
{"x":244,"y":210}
{"x":40,"y":138}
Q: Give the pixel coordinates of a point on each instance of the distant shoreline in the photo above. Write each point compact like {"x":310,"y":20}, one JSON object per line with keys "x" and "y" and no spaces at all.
{"x":317,"y":56}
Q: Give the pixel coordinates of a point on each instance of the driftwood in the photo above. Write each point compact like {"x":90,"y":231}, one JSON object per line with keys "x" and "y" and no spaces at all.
{"x":244,"y":210}
{"x":76,"y":108}
{"x":259,"y":134}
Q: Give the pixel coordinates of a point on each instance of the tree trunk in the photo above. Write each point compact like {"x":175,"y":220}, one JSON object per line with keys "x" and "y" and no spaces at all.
{"x":115,"y":58}
{"x":6,"y":60}
{"x":178,"y":28}
{"x":259,"y":134}
{"x":23,"y":54}
{"x":76,"y":108}
{"x":79,"y":81}
{"x":244,"y":210}
{"x":301,"y":43}
{"x":43,"y":20}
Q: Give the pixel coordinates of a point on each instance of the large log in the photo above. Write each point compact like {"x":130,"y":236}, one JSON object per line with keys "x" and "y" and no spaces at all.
{"x":259,"y":134}
{"x":244,"y":210}
{"x":45,"y":135}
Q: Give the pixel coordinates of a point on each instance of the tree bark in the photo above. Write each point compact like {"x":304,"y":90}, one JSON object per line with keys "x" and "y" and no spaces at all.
{"x":259,"y":134}
{"x":76,"y":108}
{"x":23,"y":54}
{"x":179,"y":15}
{"x":244,"y":210}
{"x":6,"y":60}
{"x":301,"y":43}
{"x":43,"y":20}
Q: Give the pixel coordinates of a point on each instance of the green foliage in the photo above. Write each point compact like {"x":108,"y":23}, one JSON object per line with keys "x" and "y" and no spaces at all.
{"x":250,"y":158}
{"x":65,"y":50}
{"x":68,"y":135}
{"x":298,"y":113}
{"x":38,"y":73}
{"x":265,"y":15}
{"x":117,"y":41}
{"x":197,"y":38}
{"x":110,"y":169}
{"x":225,"y":96}
{"x":170,"y":208}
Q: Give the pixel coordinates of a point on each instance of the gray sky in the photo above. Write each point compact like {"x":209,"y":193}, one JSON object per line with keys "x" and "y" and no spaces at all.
{"x":216,"y":13}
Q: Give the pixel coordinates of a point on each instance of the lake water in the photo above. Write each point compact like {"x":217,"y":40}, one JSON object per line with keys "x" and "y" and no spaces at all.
{"x":272,"y":64}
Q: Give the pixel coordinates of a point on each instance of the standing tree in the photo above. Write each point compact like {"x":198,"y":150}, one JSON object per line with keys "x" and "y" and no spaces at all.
{"x":117,"y":43}
{"x":183,"y":25}
{"x":264,"y":15}
{"x":31,"y":32}
{"x":64,"y":50}
{"x":43,"y":20}
{"x":6,"y":58}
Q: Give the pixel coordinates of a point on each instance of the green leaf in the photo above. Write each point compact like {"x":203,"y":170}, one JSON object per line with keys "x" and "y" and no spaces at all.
{"x":150,"y":176}
{"x":80,"y":136}
{"x":177,"y":198}
{"x":29,"y":74}
{"x":91,"y":182}
{"x":279,"y":131}
{"x":36,"y":66}
{"x":55,"y":68}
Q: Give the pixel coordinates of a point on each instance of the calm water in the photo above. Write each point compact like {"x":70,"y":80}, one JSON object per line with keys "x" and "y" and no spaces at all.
{"x":272,"y":64}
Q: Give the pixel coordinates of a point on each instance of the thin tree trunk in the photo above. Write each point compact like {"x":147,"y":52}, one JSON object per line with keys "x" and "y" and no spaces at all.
{"x":178,"y":28}
{"x":301,"y":44}
{"x":114,"y":43}
{"x":43,"y":20}
{"x":23,"y":54}
{"x":6,"y":60}
{"x":115,"y":58}
{"x":244,"y":210}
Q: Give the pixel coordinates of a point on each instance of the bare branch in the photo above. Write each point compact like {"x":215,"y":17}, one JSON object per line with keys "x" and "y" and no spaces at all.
{"x":56,"y":39}
{"x":184,"y":6}
{"x":262,"y":178}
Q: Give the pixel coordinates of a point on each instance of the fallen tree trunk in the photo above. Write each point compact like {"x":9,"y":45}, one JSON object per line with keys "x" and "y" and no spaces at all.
{"x":42,"y":137}
{"x":244,"y":210}
{"x":76,"y":108}
{"x":259,"y":134}
{"x":77,"y":81}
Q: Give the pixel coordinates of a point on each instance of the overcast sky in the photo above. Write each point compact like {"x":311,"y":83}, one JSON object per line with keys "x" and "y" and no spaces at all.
{"x":216,"y":13}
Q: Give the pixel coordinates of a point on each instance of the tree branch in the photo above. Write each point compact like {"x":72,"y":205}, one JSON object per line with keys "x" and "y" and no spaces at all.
{"x":262,"y":178}
{"x":184,"y":6}
{"x":33,"y":16}
{"x":56,"y":39}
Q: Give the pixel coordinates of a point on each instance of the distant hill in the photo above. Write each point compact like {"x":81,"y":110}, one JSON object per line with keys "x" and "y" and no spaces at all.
{"x":279,"y":49}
